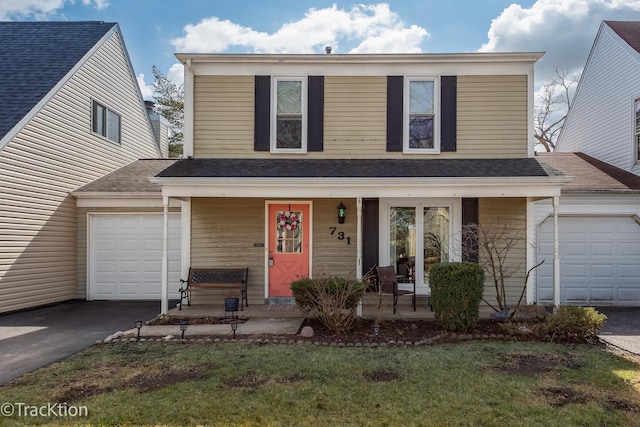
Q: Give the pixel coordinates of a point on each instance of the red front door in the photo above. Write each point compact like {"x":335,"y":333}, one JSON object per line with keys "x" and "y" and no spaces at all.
{"x":288,"y":246}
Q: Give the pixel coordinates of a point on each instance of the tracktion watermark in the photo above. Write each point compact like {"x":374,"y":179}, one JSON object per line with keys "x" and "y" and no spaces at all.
{"x":20,"y":409}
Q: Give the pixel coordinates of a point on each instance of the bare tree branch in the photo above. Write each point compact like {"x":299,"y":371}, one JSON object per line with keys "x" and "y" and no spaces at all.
{"x":552,"y":108}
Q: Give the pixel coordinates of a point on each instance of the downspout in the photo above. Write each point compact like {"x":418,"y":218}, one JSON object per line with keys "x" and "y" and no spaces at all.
{"x":164,"y":303}
{"x":556,"y":254}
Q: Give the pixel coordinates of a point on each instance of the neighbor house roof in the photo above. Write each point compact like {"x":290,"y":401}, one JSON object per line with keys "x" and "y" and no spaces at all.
{"x":629,"y":31}
{"x":353,"y":168}
{"x":35,"y":56}
{"x":133,"y":178}
{"x":590,"y":174}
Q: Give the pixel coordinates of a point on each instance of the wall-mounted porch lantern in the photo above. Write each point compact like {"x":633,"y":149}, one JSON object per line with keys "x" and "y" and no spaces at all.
{"x":342,"y":213}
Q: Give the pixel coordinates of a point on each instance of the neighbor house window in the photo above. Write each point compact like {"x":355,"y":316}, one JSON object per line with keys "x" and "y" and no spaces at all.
{"x":106,"y":122}
{"x":421,"y":110}
{"x":637,"y":130}
{"x":289,"y":122}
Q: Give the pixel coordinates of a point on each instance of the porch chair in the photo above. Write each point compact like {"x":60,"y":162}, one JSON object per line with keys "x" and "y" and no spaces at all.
{"x":388,"y":284}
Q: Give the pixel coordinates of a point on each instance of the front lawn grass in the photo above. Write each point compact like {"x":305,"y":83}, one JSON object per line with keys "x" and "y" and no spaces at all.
{"x":472,"y":383}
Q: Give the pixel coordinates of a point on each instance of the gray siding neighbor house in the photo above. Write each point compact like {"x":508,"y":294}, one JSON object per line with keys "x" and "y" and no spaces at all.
{"x":70,"y":112}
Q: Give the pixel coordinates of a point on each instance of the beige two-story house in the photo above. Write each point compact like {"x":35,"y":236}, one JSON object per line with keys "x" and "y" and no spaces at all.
{"x":301,"y":165}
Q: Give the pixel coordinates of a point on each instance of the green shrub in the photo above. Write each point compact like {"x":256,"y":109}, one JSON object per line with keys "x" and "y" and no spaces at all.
{"x":456,"y":292}
{"x":578,"y":323}
{"x":332,"y":299}
{"x":565,"y":324}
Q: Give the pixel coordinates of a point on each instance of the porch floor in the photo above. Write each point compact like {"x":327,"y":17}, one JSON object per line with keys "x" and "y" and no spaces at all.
{"x":404,"y":310}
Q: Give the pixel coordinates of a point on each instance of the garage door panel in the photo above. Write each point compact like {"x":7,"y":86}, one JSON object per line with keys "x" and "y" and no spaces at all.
{"x":629,"y":249}
{"x":575,"y":293}
{"x":628,"y":294}
{"x":626,"y":271}
{"x":603,"y":271}
{"x":599,"y":260}
{"x":603,"y":249}
{"x":602,"y":294}
{"x":576,"y":271}
{"x":126,"y":256}
{"x":573,"y":249}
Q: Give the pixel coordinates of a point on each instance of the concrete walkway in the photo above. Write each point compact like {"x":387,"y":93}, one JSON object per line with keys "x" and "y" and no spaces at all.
{"x":253,"y":326}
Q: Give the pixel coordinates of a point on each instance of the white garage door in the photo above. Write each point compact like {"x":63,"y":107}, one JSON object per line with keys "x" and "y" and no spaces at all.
{"x":599,"y":261}
{"x":125,"y":254}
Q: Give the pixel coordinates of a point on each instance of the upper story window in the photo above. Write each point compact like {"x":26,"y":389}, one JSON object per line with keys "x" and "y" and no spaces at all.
{"x":106,"y":122}
{"x":421,"y":132}
{"x":636,"y":138}
{"x":289,"y":118}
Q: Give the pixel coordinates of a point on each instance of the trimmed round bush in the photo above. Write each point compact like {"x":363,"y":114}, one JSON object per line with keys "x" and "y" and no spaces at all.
{"x":456,"y":292}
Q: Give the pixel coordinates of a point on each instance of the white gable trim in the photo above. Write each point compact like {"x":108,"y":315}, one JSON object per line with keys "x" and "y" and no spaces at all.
{"x":36,"y":109}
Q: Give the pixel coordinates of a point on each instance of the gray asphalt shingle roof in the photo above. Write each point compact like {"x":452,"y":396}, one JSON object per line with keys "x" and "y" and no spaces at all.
{"x":35,"y":56}
{"x":354,"y":168}
{"x":133,"y":178}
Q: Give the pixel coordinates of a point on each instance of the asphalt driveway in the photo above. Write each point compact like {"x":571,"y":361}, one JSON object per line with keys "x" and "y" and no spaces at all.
{"x":622,"y":328}
{"x":34,"y":338}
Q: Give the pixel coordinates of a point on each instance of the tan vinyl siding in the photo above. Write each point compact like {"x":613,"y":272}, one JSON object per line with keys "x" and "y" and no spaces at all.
{"x":54,"y":154}
{"x":355,"y":121}
{"x":223,"y":233}
{"x":492,"y":118}
{"x":223,"y":116}
{"x":512,"y":213}
{"x":332,"y":256}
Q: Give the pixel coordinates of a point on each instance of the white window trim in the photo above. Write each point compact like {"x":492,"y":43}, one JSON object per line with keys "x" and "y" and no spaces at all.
{"x":406,"y":99}
{"x":106,"y":124}
{"x":455,"y":229}
{"x":274,"y":114}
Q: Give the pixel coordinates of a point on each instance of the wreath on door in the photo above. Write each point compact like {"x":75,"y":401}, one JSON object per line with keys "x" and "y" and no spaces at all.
{"x":288,"y":221}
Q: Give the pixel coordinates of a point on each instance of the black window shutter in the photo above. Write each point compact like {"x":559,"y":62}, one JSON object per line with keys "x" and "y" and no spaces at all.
{"x":394,"y":112}
{"x":448,"y":113}
{"x":370,"y":234}
{"x":262,"y":119}
{"x":469,"y":229}
{"x":315,"y":119}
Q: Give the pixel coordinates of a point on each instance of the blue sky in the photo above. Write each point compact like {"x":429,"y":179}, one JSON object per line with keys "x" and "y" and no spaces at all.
{"x":154,"y":30}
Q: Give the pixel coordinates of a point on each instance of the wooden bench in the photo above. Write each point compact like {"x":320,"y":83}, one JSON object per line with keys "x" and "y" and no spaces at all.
{"x":215,"y":278}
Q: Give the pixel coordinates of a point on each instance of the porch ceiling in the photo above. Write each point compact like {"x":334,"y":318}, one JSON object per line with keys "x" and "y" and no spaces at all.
{"x":522,"y":177}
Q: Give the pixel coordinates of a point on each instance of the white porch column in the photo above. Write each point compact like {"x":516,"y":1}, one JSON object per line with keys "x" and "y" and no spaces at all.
{"x":359,"y":238}
{"x":359,"y":248}
{"x":531,"y":251}
{"x":164,"y":303}
{"x":556,"y":254}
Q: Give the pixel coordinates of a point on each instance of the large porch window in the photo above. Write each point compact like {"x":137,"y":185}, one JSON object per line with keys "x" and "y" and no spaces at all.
{"x":420,"y":234}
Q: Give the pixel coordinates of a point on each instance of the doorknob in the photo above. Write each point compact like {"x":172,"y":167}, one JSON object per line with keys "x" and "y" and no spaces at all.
{"x":270,"y":261}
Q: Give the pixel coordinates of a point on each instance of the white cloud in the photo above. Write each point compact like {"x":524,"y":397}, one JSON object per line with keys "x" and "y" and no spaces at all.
{"x":374,"y":28}
{"x":36,"y":8}
{"x":564,"y":29}
{"x":176,"y":74}
{"x":41,"y":9}
{"x":98,"y":4}
{"x":145,"y":89}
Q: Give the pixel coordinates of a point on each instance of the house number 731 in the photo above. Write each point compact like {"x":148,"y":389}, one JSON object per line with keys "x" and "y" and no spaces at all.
{"x":341,"y":235}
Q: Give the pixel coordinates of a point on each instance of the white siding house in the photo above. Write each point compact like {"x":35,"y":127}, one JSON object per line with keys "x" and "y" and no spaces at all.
{"x":603,"y":121}
{"x":71,"y":113}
